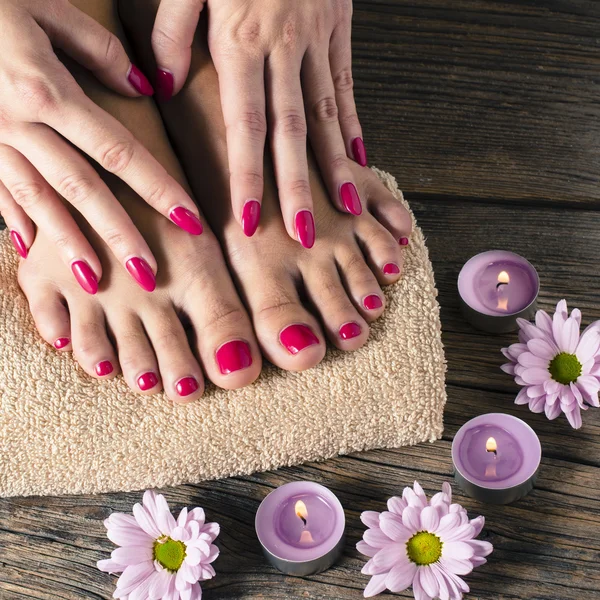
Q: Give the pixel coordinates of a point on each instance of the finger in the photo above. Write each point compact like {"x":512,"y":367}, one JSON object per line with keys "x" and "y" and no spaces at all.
{"x":325,"y":134}
{"x":22,"y":232}
{"x":172,"y":37}
{"x":39,"y":201}
{"x":242,"y":87}
{"x":287,"y":123}
{"x":97,"y":49}
{"x":340,"y":58}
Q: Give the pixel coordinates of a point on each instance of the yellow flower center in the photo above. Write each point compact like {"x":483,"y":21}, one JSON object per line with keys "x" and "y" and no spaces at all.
{"x":169,"y":553}
{"x":424,"y":548}
{"x":565,"y":368}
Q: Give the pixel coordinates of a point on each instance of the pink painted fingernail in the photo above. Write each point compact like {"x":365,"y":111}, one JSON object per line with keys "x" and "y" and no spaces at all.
{"x":234,"y":356}
{"x":250,"y":217}
{"x":85,"y":276}
{"x":391,"y":269}
{"x":147,"y":381}
{"x":140,"y":270}
{"x":139,"y":81}
{"x":350,"y":198}
{"x":350,"y":330}
{"x":61,"y":343}
{"x":403,"y":241}
{"x":19,"y":244}
{"x":305,"y":228}
{"x":297,"y":337}
{"x":359,"y":152}
{"x":186,"y":386}
{"x":104,"y":368}
{"x":164,"y":85}
{"x":372,"y":302}
{"x":187,"y":220}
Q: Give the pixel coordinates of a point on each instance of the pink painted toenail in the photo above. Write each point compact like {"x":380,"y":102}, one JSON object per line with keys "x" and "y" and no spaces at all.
{"x":350,"y":330}
{"x":140,"y":270}
{"x":139,"y":81}
{"x":104,"y":368}
{"x":234,"y":356}
{"x":147,"y":381}
{"x":305,"y":228}
{"x":372,"y":302}
{"x":297,"y":337}
{"x":359,"y":152}
{"x":164,"y":85}
{"x":391,"y":269}
{"x":85,"y":276}
{"x":186,"y":220}
{"x":19,"y":244}
{"x":250,"y":217}
{"x":350,"y":198}
{"x":403,"y":241}
{"x":186,"y":386}
{"x":61,"y":343}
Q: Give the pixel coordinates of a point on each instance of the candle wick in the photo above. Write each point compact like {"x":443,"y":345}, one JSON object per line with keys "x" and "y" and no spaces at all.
{"x":303,"y":519}
{"x":499,"y":284}
{"x":494,"y":452}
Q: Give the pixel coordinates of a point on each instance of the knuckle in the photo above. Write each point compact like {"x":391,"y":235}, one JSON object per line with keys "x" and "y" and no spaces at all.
{"x":343,"y":81}
{"x":350,"y":120}
{"x":289,"y":33}
{"x":357,"y":269}
{"x":253,"y":122}
{"x":278,"y":306}
{"x":115,"y":240}
{"x":168,"y":338}
{"x":338,"y":162}
{"x":75,"y":188}
{"x":156,"y":192}
{"x":86,"y":347}
{"x":39,"y":95}
{"x":27,"y":193}
{"x":246,"y":33}
{"x":113,"y":48}
{"x":61,"y":242}
{"x":325,"y":110}
{"x":225,"y":316}
{"x":248,"y":179}
{"x":299,"y":187}
{"x":117,"y":156}
{"x":163,"y":40}
{"x":291,"y":124}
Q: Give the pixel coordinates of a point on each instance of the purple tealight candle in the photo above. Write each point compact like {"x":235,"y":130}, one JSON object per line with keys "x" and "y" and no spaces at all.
{"x":300,"y":527}
{"x":496,"y":287}
{"x":496,"y":458}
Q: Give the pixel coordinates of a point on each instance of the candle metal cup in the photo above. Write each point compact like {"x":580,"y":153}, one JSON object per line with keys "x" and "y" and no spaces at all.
{"x":495,"y":321}
{"x":516,"y":485}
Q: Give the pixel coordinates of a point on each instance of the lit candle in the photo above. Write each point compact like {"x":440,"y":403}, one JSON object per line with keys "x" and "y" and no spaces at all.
{"x":300,"y":527}
{"x":496,"y":458}
{"x":497,"y":287}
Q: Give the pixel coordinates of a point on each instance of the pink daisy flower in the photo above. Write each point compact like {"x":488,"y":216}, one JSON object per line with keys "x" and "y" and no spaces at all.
{"x":423,"y":544}
{"x":160,"y":557}
{"x":558,"y":368}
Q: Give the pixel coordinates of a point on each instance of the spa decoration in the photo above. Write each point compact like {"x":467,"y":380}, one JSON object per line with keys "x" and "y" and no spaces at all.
{"x":496,"y":288}
{"x":423,"y":544}
{"x":496,"y":458}
{"x":300,"y":527}
{"x":158,"y":556}
{"x":558,"y":369}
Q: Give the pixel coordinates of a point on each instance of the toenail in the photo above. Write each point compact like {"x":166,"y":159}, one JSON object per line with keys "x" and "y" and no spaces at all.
{"x":359,"y":152}
{"x":18,"y":243}
{"x":186,"y":386}
{"x":372,"y":302}
{"x":234,"y":356}
{"x":297,"y":337}
{"x":104,"y":368}
{"x":164,"y":84}
{"x":403,"y":241}
{"x":350,"y":330}
{"x":391,"y":269}
{"x":250,"y":217}
{"x":61,"y":343}
{"x":140,"y":270}
{"x":186,"y":220}
{"x":350,"y":198}
{"x":147,"y":381}
{"x":305,"y":228}
{"x":85,"y":276}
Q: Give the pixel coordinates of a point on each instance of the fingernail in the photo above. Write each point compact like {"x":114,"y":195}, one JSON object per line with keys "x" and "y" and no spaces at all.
{"x":104,"y":368}
{"x":147,"y":381}
{"x":19,"y":244}
{"x":372,"y":302}
{"x":350,"y":330}
{"x":186,"y":386}
{"x":403,"y":241}
{"x":140,"y":270}
{"x":164,"y":85}
{"x":139,"y":81}
{"x":391,"y":269}
{"x":359,"y":152}
{"x":297,"y":337}
{"x":85,"y":276}
{"x":350,"y":199}
{"x":61,"y":343}
{"x":250,"y":217}
{"x":305,"y":228}
{"x":187,"y":220}
{"x":234,"y":356}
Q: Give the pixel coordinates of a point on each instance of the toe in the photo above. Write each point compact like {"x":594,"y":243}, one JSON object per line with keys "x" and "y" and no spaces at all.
{"x":383,"y":253}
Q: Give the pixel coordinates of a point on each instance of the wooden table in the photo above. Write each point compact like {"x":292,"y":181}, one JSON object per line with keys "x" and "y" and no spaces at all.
{"x":489,"y":115}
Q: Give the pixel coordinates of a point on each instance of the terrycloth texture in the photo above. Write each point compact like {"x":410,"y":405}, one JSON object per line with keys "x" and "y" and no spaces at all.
{"x":62,"y":432}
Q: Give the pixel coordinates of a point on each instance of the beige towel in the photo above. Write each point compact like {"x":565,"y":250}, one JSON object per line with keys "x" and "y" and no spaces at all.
{"x":62,"y":432}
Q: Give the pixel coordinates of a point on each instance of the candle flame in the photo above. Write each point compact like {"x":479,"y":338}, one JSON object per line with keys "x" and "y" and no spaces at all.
{"x":491,"y":445}
{"x":301,"y":511}
{"x":503,"y":277}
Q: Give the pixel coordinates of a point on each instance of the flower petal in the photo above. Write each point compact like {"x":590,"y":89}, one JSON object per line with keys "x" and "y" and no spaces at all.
{"x":535,"y":375}
{"x":535,"y":391}
{"x":428,"y":581}
{"x":193,"y":556}
{"x":391,"y":555}
{"x":569,"y":336}
{"x":477,"y":525}
{"x":132,"y":555}
{"x":459,"y":534}
{"x":588,"y":345}
{"x":442,"y":580}
{"x":430,"y":518}
{"x":401,"y":576}
{"x":396,"y":505}
{"x":127,"y":536}
{"x":574,"y":417}
{"x":552,"y":410}
{"x":536,"y":405}
{"x":370,"y":518}
{"x":393,"y":527}
{"x":134,"y":575}
{"x":366,"y":549}
{"x":543,"y":321}
{"x":455,"y":565}
{"x":589,"y":385}
{"x":481,"y":548}
{"x":182,"y":518}
{"x":164,"y":518}
{"x":159,"y":585}
{"x":376,"y":585}
{"x":522,"y":397}
{"x":508,"y":368}
{"x":542,"y":348}
{"x":411,"y":519}
{"x":528,"y":359}
{"x":145,"y":522}
{"x":110,"y":566}
{"x":418,"y":591}
{"x":376,"y":538}
{"x":458,"y":550}
{"x":448,"y":523}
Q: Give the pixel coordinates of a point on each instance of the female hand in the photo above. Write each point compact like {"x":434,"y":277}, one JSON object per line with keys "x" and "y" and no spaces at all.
{"x":42,"y":109}
{"x":285,"y":63}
